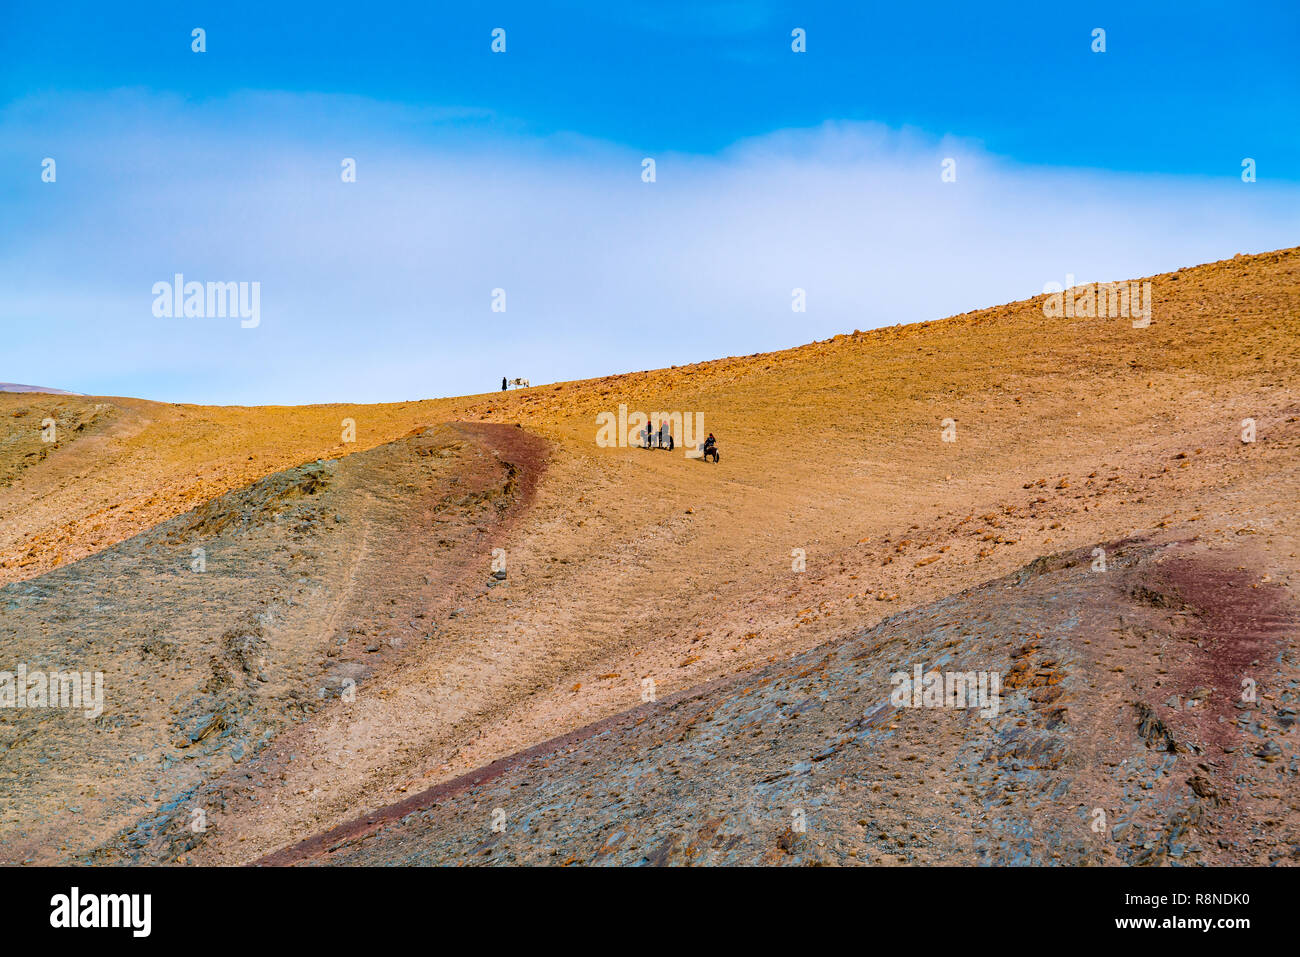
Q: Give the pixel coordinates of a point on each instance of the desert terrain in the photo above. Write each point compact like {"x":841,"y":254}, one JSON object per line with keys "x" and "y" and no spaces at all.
{"x":462,"y":631}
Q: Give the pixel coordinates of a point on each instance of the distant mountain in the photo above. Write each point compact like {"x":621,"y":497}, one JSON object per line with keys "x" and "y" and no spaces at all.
{"x":15,"y":387}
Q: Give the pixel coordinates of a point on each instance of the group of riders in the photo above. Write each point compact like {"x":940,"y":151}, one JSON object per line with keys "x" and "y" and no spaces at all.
{"x":662,"y":438}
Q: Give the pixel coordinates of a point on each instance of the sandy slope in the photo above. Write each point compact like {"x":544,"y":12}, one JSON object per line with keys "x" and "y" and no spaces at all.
{"x":630,"y":564}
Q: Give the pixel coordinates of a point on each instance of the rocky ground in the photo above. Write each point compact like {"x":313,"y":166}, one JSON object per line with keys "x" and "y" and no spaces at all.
{"x":227,"y":626}
{"x":462,"y":610}
{"x":1120,"y":737}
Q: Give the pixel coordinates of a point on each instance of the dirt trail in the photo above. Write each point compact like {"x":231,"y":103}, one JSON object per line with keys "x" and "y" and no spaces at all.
{"x":399,"y":594}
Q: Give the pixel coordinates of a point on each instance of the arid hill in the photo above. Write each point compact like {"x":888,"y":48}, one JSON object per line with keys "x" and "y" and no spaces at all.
{"x":380,"y":620}
{"x":19,"y":387}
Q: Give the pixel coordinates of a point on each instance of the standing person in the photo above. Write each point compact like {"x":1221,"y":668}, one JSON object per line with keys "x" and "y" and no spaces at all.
{"x":503,"y":383}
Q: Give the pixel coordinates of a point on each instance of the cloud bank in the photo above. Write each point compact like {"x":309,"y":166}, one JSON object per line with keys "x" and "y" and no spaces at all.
{"x":382,"y":289}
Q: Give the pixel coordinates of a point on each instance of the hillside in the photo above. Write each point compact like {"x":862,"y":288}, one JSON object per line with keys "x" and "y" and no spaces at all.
{"x":624,"y":565}
{"x":18,"y":387}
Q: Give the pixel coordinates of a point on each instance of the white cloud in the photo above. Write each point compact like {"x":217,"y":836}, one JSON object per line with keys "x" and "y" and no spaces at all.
{"x":381,"y":289}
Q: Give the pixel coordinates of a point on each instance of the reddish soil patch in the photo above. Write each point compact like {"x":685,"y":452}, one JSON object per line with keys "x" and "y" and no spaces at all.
{"x":523,"y":453}
{"x":1239,"y":623}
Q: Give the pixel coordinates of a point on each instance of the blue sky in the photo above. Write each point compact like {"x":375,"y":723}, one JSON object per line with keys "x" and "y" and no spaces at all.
{"x":521,"y":171}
